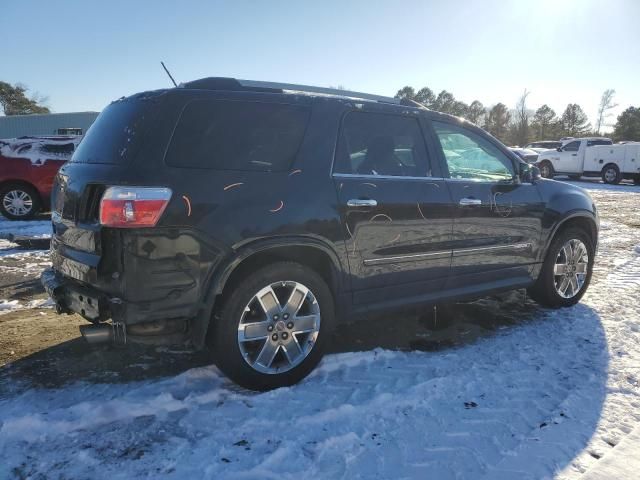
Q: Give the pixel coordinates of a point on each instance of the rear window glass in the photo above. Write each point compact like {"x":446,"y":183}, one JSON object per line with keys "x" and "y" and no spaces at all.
{"x":593,"y":143}
{"x":235,"y":135}
{"x":115,"y":135}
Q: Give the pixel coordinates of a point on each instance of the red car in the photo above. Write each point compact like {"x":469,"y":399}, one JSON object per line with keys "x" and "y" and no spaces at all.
{"x":27,"y":168}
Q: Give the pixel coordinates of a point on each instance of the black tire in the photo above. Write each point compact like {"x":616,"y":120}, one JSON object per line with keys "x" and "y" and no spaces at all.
{"x":11,"y":189}
{"x":544,"y":290}
{"x":546,"y":169}
{"x":223,"y":334}
{"x":611,"y":174}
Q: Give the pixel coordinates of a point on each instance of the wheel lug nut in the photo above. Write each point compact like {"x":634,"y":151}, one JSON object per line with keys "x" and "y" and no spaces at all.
{"x":285,"y":335}
{"x":290,"y":325}
{"x":276,"y":317}
{"x":274,"y":337}
{"x":270,"y":328}
{"x":285,"y":316}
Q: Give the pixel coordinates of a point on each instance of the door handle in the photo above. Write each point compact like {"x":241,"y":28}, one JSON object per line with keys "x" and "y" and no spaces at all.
{"x":470,"y":201}
{"x":362,"y":202}
{"x":574,"y":154}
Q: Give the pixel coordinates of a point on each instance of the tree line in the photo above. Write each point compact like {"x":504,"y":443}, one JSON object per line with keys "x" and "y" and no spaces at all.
{"x":516,"y":126}
{"x":521,"y":125}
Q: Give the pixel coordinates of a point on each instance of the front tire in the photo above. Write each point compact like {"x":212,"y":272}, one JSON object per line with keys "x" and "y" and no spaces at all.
{"x":611,"y":174}
{"x":19,"y":202}
{"x":566,"y":271}
{"x":272,"y":329}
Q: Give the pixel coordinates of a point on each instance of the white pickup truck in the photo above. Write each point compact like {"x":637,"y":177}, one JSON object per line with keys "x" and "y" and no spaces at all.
{"x":593,"y":156}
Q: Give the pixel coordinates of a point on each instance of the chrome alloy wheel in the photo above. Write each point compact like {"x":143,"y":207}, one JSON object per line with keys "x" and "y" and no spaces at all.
{"x":570,"y":269}
{"x":17,"y":202}
{"x":279,"y":327}
{"x":610,"y":175}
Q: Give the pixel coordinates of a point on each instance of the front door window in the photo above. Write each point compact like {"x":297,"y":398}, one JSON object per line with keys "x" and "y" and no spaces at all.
{"x":471,"y":157}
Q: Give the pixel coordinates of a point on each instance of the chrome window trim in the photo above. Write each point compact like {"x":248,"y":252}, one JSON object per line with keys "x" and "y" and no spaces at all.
{"x":383,"y":177}
{"x":511,"y":181}
{"x":459,"y":252}
{"x":407,"y":258}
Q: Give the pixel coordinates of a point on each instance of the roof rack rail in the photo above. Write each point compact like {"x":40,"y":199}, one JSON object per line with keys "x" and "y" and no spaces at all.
{"x":320,"y":90}
{"x":222,"y":83}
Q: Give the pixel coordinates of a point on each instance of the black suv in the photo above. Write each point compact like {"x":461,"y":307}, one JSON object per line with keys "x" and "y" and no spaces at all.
{"x":252,"y":217}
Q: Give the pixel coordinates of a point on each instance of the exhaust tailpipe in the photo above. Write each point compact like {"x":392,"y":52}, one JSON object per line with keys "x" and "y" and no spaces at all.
{"x":101,"y":333}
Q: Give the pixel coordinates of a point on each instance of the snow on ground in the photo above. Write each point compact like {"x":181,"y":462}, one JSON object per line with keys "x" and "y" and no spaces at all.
{"x":32,"y":228}
{"x":545,"y":396}
{"x":16,"y":259}
{"x":7,"y":306}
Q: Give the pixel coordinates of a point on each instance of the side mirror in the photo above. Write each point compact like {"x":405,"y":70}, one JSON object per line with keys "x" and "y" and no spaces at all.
{"x":559,"y":149}
{"x":535,"y":174}
{"x":529,"y":173}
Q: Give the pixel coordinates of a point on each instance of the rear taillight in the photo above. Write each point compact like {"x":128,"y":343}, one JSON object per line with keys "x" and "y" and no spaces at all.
{"x":133,"y":207}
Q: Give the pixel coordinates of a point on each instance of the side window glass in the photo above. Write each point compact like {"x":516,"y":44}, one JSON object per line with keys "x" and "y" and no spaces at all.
{"x":237,"y":135}
{"x":592,"y":143}
{"x":471,"y":157}
{"x":572,"y":146}
{"x":381,"y":144}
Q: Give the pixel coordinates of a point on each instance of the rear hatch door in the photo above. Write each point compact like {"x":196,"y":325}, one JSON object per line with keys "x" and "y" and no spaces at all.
{"x":107,"y":155}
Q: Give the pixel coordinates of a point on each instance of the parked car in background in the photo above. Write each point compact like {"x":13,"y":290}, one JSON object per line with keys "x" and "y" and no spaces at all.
{"x":257,"y":217}
{"x":27,"y":168}
{"x":543,"y":145}
{"x":569,"y":158}
{"x":614,"y":162}
{"x":526,"y":154}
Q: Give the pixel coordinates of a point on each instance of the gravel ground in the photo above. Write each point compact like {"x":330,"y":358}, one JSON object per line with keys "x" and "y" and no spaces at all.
{"x":498,"y":388}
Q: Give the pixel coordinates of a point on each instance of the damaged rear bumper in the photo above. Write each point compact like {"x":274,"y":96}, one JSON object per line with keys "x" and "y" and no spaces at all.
{"x":71,"y":297}
{"x":95,"y":306}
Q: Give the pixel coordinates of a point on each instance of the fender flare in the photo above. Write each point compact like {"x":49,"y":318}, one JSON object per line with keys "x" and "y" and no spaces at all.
{"x":563,"y":220}
{"x":222,"y":272}
{"x":240,"y":254}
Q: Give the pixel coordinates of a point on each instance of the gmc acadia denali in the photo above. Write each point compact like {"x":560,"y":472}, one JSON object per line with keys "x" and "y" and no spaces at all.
{"x":253,"y":217}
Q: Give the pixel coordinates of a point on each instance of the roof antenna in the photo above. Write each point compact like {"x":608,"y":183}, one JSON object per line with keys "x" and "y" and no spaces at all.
{"x":166,"y":70}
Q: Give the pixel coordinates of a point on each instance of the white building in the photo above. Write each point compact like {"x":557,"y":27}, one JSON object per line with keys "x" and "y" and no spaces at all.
{"x":74,"y":123}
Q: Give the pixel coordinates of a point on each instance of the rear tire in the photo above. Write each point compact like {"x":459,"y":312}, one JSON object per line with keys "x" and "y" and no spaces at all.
{"x":280,"y":355}
{"x":559,"y":267}
{"x":546,"y":170}
{"x":611,"y":174}
{"x":19,"y":202}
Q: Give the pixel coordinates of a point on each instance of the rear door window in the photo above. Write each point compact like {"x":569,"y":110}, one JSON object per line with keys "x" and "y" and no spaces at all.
{"x":381,"y":144}
{"x":236,"y":135}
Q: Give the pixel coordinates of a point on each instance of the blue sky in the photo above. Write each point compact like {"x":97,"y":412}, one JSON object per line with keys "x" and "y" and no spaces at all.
{"x":83,"y":54}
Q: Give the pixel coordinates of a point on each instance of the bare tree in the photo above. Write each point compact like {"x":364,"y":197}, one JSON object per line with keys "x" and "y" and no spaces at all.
{"x":521,"y":132}
{"x":606,"y":104}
